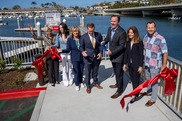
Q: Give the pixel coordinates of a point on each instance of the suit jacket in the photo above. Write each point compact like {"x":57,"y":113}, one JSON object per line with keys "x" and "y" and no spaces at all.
{"x":134,"y":54}
{"x":76,"y":54}
{"x":86,"y":45}
{"x":117,"y":44}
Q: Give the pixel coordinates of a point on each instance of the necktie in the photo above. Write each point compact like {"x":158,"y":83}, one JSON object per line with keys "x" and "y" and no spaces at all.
{"x":93,"y":42}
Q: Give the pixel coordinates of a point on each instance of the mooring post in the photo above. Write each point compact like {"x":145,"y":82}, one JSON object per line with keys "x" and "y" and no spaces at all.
{"x":38,"y":26}
{"x":35,"y":21}
{"x":18,"y":22}
{"x":64,"y":21}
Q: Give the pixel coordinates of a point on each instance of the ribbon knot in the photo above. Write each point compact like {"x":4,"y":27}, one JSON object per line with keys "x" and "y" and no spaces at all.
{"x":39,"y":63}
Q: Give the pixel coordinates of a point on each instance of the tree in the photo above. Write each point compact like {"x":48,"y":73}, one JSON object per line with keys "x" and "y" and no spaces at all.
{"x":161,"y":2}
{"x":42,"y":5}
{"x":33,"y":4}
{"x":16,"y":7}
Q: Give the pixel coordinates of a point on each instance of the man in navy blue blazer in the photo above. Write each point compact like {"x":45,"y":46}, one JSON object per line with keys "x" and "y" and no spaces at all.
{"x":116,"y":37}
{"x":90,"y":46}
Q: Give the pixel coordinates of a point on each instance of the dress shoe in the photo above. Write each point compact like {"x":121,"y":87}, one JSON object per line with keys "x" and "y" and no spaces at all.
{"x":133,"y":100}
{"x":88,"y":90}
{"x":116,"y":95}
{"x":149,"y":103}
{"x":58,"y":82}
{"x":98,"y":86}
{"x":145,"y":94}
{"x":113,"y":86}
{"x":53,"y":85}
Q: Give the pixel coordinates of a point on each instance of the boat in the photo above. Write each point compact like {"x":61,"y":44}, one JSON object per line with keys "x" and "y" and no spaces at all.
{"x":174,"y":17}
{"x":3,"y":23}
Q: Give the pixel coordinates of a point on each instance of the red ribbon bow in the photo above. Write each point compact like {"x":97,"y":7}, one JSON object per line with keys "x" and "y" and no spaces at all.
{"x":167,"y":75}
{"x":39,"y":63}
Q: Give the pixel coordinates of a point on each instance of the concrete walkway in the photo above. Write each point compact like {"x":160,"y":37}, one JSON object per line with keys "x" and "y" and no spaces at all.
{"x":61,"y":103}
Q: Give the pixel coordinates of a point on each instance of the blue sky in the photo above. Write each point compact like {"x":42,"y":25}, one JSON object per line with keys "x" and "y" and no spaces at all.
{"x":67,"y":3}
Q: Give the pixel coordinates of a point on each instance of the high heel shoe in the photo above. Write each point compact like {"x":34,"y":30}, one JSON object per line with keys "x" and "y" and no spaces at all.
{"x":53,"y":85}
{"x":133,"y":100}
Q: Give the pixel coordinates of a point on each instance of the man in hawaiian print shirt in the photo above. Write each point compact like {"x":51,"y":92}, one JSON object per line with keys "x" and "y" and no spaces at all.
{"x":156,"y":54}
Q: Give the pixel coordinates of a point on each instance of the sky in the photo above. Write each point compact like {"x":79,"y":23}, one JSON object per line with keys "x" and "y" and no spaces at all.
{"x":67,"y":3}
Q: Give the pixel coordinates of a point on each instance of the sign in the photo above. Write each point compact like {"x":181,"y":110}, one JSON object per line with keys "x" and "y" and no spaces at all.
{"x":52,"y":17}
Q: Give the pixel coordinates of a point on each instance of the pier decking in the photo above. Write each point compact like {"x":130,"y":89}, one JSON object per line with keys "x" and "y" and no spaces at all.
{"x":61,"y":103}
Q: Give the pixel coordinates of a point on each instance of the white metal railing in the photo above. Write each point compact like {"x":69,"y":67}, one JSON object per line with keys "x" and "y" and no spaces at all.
{"x":174,"y":101}
{"x":23,"y":48}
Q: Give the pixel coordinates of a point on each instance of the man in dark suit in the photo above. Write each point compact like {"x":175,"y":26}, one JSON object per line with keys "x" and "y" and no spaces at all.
{"x":116,"y":36}
{"x":91,"y":50}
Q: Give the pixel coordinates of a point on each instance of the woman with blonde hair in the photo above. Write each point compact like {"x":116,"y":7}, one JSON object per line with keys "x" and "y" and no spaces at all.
{"x":73,"y":45}
{"x":51,"y":64}
{"x":134,"y":57}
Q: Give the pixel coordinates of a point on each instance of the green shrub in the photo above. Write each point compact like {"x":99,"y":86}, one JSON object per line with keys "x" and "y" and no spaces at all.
{"x":2,"y":65}
{"x":17,"y":80}
{"x":17,"y":62}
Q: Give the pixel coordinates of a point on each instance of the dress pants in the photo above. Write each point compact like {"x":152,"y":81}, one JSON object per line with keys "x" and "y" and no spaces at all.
{"x":118,"y":71}
{"x":78,"y":72}
{"x":67,"y":74}
{"x":92,"y":68}
{"x":134,"y":75}
{"x":53,"y":69}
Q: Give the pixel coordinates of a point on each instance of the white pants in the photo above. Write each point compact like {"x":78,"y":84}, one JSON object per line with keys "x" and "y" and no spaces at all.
{"x":67,"y":75}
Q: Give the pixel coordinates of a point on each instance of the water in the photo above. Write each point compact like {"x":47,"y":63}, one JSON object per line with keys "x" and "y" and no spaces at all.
{"x":170,"y":29}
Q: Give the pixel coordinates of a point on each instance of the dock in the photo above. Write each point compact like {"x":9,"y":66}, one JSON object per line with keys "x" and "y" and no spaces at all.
{"x":61,"y":103}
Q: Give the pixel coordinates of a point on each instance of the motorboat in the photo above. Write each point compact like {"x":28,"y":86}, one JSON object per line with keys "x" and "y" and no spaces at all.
{"x":175,"y":18}
{"x":3,"y":23}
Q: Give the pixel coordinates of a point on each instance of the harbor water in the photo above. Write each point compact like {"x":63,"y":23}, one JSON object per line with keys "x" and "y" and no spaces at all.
{"x":170,"y":29}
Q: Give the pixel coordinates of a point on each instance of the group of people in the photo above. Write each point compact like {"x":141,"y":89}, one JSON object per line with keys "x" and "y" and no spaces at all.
{"x":126,"y":51}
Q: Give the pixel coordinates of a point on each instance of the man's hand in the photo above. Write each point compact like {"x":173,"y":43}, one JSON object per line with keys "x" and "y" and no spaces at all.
{"x":84,"y":53}
{"x":99,"y":56}
{"x":163,"y":67}
{"x":108,"y":52}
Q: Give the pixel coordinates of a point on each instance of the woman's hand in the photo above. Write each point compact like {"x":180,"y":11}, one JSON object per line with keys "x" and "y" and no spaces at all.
{"x":140,"y":69}
{"x":124,"y":67}
{"x":30,"y":27}
{"x":59,"y":50}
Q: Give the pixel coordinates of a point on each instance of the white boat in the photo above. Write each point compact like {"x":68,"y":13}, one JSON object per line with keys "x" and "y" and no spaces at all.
{"x":174,"y":17}
{"x":30,"y":16}
{"x":3,"y":23}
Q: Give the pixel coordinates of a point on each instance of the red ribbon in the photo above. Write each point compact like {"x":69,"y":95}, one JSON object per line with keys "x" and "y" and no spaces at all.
{"x":39,"y":63}
{"x":167,"y":75}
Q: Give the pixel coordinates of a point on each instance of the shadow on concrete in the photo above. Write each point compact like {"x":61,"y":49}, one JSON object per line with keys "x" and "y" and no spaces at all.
{"x":104,"y":73}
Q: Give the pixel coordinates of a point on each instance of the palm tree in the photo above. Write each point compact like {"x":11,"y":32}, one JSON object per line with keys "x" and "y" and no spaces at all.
{"x":33,"y":4}
{"x":16,"y":7}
